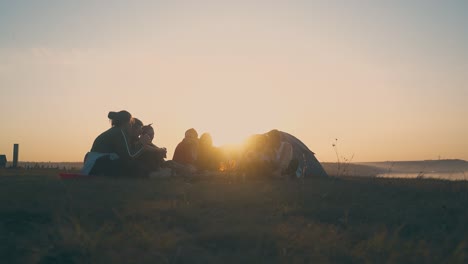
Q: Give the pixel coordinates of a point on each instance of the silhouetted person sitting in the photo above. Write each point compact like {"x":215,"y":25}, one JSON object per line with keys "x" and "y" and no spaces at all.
{"x":209,"y":157}
{"x":113,"y":153}
{"x":186,"y":151}
{"x":152,"y":160}
{"x":185,"y":154}
{"x":256,"y":157}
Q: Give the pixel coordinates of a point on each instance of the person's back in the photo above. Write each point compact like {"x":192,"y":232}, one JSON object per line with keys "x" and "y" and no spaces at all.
{"x":155,"y":159}
{"x":112,"y":151}
{"x":209,"y":157}
{"x":112,"y":141}
{"x":186,"y":151}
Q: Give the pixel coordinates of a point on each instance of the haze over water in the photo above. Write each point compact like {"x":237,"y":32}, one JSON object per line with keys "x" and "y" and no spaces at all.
{"x":455,"y":176}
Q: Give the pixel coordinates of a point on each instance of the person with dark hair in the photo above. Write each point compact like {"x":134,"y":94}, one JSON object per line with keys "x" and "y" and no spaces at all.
{"x":114,"y":151}
{"x":209,"y":156}
{"x":148,"y":130}
{"x":119,"y":119}
{"x":187,"y":150}
{"x":136,"y":129}
{"x":152,"y":160}
{"x":185,"y":154}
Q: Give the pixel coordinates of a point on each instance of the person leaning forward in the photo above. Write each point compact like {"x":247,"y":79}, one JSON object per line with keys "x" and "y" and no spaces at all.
{"x":113,"y":153}
{"x":152,"y":160}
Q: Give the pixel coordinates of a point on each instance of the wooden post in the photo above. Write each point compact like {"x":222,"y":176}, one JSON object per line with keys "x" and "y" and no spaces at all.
{"x":15,"y":155}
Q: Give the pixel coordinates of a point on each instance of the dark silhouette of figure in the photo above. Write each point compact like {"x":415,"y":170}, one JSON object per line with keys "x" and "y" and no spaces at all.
{"x":209,"y":157}
{"x":185,"y":154}
{"x":187,"y":150}
{"x":114,"y":151}
{"x":256,"y":157}
{"x":152,"y":160}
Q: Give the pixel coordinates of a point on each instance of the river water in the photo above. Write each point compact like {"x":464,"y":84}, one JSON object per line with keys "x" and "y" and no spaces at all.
{"x":454,"y":176}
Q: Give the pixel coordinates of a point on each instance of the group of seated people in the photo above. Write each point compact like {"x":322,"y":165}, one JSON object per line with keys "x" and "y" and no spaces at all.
{"x":197,"y":154}
{"x":127,"y":149}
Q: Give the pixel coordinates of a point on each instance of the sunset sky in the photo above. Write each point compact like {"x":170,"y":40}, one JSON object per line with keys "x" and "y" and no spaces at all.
{"x":388,"y":79}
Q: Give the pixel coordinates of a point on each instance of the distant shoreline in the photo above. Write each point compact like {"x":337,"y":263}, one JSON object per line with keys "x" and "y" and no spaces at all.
{"x":369,"y":169}
{"x":354,"y":162}
{"x":50,"y":164}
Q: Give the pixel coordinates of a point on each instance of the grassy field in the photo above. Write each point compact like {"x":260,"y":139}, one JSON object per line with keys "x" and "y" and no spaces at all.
{"x":225,"y":220}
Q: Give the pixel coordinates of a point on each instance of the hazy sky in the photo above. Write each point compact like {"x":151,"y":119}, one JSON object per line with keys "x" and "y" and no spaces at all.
{"x":389,"y":79}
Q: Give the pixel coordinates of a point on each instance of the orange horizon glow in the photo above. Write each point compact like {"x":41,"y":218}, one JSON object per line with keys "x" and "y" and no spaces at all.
{"x":387,"y":79}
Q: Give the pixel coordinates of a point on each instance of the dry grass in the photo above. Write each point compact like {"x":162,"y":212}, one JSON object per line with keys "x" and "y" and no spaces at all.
{"x":355,"y":220}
